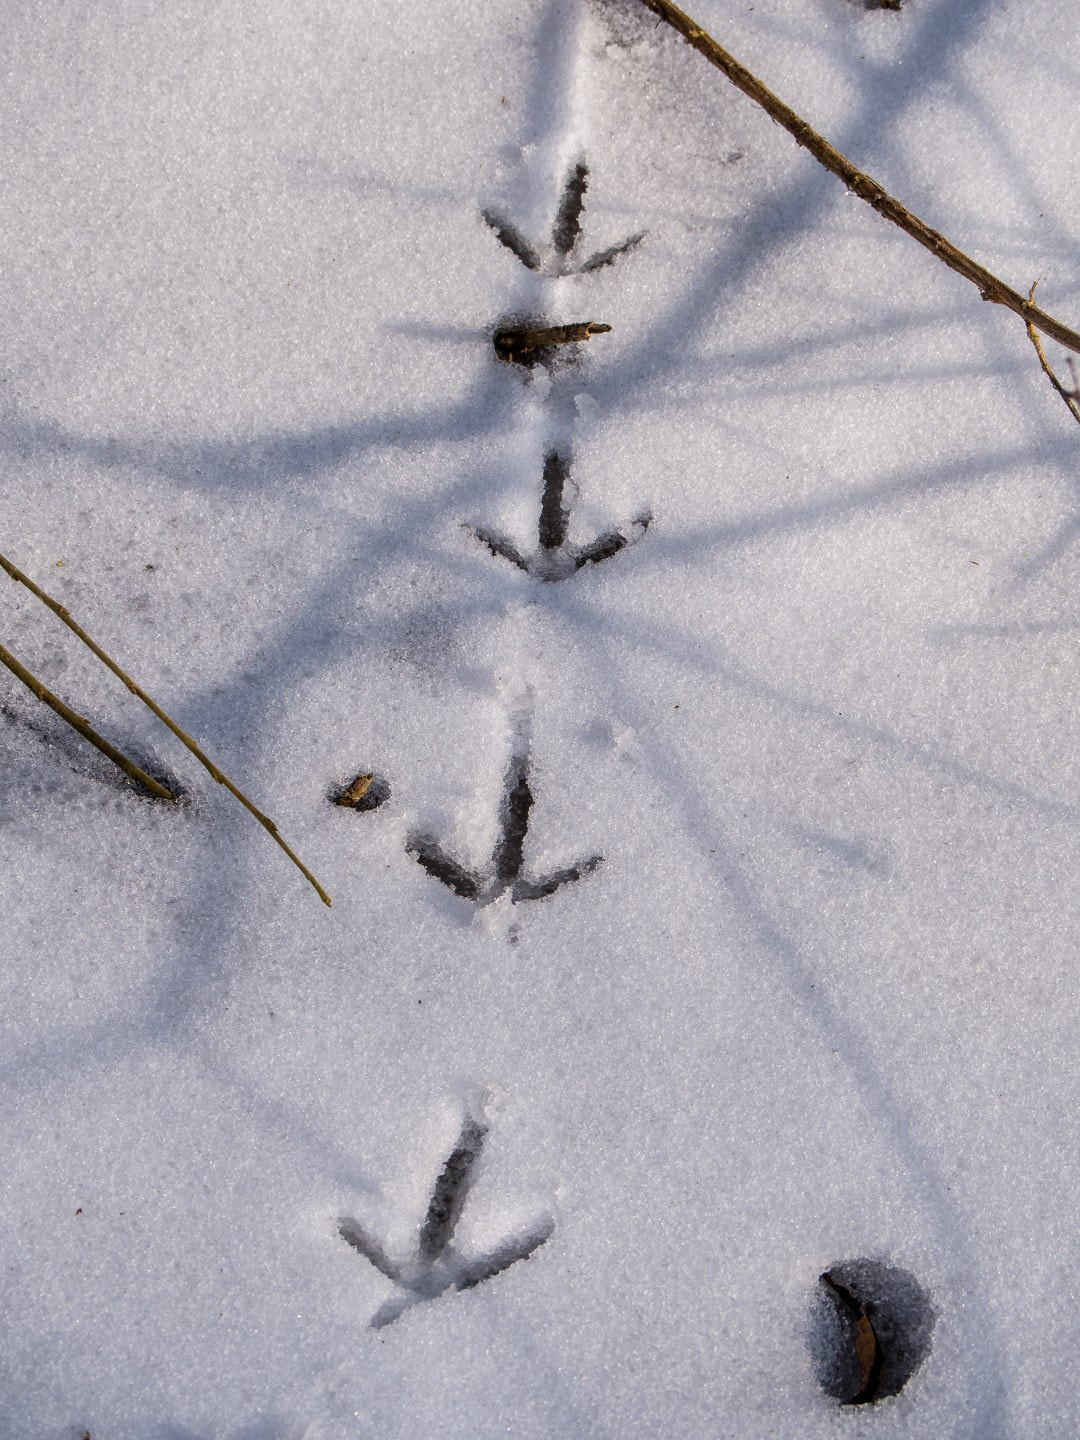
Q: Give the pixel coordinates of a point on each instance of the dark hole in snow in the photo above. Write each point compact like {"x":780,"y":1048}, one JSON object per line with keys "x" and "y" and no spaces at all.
{"x":870,"y":1329}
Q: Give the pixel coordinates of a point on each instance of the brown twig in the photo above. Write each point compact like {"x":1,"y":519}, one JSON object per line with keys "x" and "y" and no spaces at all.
{"x":523,"y":344}
{"x":85,"y":729}
{"x":990,"y":287}
{"x":1070,"y":397}
{"x":185,"y":739}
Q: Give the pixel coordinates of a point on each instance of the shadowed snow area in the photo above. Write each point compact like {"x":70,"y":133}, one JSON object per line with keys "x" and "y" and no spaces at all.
{"x":682,"y":718}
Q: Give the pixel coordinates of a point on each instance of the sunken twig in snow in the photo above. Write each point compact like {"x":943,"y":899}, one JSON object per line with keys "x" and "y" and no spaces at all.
{"x":185,"y":739}
{"x":83,"y":727}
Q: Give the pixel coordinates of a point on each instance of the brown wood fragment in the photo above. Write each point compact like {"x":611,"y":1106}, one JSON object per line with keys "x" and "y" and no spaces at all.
{"x":355,"y":791}
{"x":526,"y":344}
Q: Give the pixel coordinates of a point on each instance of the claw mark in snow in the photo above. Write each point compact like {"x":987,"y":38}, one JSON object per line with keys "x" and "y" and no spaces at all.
{"x":559,"y":256}
{"x":515,"y":243}
{"x":505,"y":874}
{"x":538,"y":343}
{"x":556,"y":558}
{"x":437,"y":1267}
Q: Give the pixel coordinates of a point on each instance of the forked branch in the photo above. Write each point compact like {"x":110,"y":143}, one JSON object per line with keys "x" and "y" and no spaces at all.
{"x":1071,"y":397}
{"x":185,"y":739}
{"x":859,"y":183}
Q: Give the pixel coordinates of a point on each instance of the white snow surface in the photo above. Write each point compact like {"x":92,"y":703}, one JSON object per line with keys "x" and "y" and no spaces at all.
{"x":818,"y":1003}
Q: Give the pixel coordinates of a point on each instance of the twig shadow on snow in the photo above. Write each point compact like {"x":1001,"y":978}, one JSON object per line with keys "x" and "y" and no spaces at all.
{"x":682,"y":794}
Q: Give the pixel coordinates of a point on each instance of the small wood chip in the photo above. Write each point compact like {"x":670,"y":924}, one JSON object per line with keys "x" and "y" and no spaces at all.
{"x":355,"y":791}
{"x":525,"y":344}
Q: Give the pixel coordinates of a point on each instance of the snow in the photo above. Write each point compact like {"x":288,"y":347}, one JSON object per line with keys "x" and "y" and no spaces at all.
{"x":815,"y":1008}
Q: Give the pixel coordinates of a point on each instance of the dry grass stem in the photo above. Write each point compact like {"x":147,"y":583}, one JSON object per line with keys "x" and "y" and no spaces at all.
{"x":185,"y":739}
{"x":989,"y":285}
{"x":83,"y":726}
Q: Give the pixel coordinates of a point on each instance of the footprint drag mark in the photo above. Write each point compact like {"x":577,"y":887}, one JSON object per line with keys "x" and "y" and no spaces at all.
{"x":537,"y":342}
{"x":436,"y":1267}
{"x":566,"y":231}
{"x":451,"y":1188}
{"x":554,"y":512}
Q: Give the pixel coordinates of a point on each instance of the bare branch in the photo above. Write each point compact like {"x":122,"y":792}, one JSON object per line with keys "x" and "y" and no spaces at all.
{"x":990,"y":287}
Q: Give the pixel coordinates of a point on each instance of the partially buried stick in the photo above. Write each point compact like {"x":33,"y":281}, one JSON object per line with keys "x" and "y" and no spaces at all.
{"x":85,"y":729}
{"x":185,"y":739}
{"x":859,"y":183}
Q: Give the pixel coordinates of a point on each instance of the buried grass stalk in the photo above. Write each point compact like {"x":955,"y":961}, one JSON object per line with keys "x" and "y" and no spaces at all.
{"x":184,"y":738}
